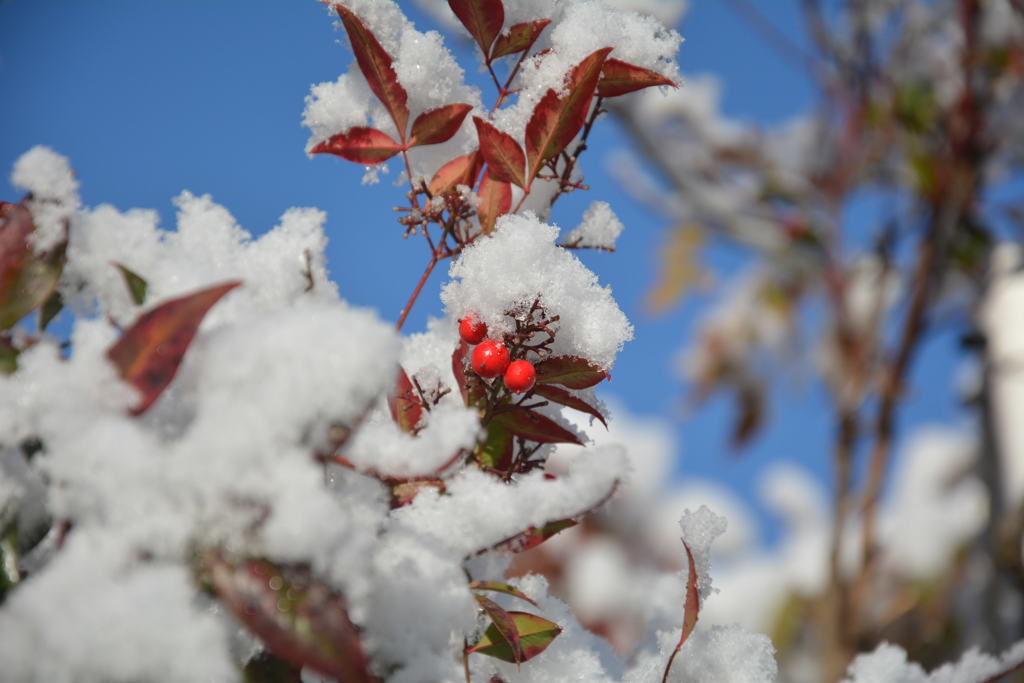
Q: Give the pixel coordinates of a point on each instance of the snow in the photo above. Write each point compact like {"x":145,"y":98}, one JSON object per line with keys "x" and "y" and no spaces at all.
{"x":888,"y":664}
{"x":599,"y":228}
{"x":48,"y":176}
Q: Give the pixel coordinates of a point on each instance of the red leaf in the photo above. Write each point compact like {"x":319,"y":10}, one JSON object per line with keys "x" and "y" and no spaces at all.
{"x":495,"y":200}
{"x":461,"y":170}
{"x":534,"y":536}
{"x":437,"y":125}
{"x":569,"y":371}
{"x":148,"y":354}
{"x":531,"y":425}
{"x":405,"y":406}
{"x":504,"y":157}
{"x":558,"y":118}
{"x":299,"y":618}
{"x":375,"y":63}
{"x":361,"y":145}
{"x":500,"y":587}
{"x":518,"y":38}
{"x":482,"y":18}
{"x":691,"y":610}
{"x":619,"y":78}
{"x":563,"y":397}
{"x":504,"y":624}
{"x":27,"y":279}
{"x":535,"y":634}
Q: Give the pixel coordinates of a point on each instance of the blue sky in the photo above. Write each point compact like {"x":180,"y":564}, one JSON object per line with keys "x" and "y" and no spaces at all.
{"x":151,"y":98}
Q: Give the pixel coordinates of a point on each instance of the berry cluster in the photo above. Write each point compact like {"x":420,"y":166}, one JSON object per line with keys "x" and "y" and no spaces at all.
{"x":491,"y":358}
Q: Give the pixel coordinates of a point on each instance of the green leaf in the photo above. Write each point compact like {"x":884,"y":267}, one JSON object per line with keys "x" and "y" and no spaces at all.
{"x":504,"y":624}
{"x":136,"y":285}
{"x":496,"y":450}
{"x":535,"y":634}
{"x":569,"y":371}
{"x":49,"y":311}
{"x":8,"y":356}
{"x":501,"y":587}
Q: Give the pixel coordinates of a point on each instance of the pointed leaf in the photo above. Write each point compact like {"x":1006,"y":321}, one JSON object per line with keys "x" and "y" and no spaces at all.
{"x":482,"y":18}
{"x":558,"y":118}
{"x":495,"y":200}
{"x":361,"y":145}
{"x":619,"y":77}
{"x":136,"y":285}
{"x":691,"y":609}
{"x":437,"y":125}
{"x":376,"y":65}
{"x":519,"y":38}
{"x":531,"y":425}
{"x":148,"y":354}
{"x":504,"y":624}
{"x":405,"y":406}
{"x":27,"y":279}
{"x":299,"y":618}
{"x":501,"y":587}
{"x":569,"y":371}
{"x":535,"y":634}
{"x":504,"y":157}
{"x":563,"y":397}
{"x":534,"y":536}
{"x":53,"y":306}
{"x":461,"y":170}
{"x":497,"y":450}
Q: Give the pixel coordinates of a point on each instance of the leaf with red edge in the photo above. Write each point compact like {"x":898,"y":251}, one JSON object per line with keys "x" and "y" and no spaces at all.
{"x":405,"y":406}
{"x":534,"y":536}
{"x":501,"y":587}
{"x":360,"y":144}
{"x":148,"y":354}
{"x":691,"y":609}
{"x":461,"y":170}
{"x":531,"y":425}
{"x":535,"y":634}
{"x":504,"y":624}
{"x":565,"y":398}
{"x":518,"y":38}
{"x":619,"y":77}
{"x":504,"y":157}
{"x":298,"y":617}
{"x":27,"y":279}
{"x":482,"y":18}
{"x":376,"y":65}
{"x":556,"y":119}
{"x":437,"y":125}
{"x":495,"y":200}
{"x":569,"y":371}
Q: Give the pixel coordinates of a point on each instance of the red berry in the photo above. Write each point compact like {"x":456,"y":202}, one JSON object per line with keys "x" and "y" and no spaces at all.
{"x":490,"y":358}
{"x":472,"y":330}
{"x":520,"y":376}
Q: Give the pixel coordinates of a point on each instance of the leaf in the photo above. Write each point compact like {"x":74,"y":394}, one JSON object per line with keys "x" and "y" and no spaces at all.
{"x":148,"y":354}
{"x":563,"y":397}
{"x":49,"y":311}
{"x":749,"y":413}
{"x":504,"y":624}
{"x":361,"y":145}
{"x":8,"y":356}
{"x":691,"y":609}
{"x":557,"y":119}
{"x":136,"y":285}
{"x":535,"y":634}
{"x":27,"y":279}
{"x":495,"y":200}
{"x":496,"y":451}
{"x":405,"y":406}
{"x":518,"y":38}
{"x":299,"y":618}
{"x":504,"y":157}
{"x":482,"y":18}
{"x":534,"y":536}
{"x":569,"y":371}
{"x":375,"y":63}
{"x":679,"y":268}
{"x":500,"y":587}
{"x":266,"y":668}
{"x":531,"y":425}
{"x":461,"y":170}
{"x":437,"y":125}
{"x":619,"y":78}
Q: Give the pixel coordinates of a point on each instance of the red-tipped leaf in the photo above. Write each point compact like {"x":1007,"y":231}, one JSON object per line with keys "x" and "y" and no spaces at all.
{"x":504,"y":157}
{"x":148,"y":354}
{"x":461,"y":170}
{"x":405,"y":406}
{"x":27,"y":279}
{"x":501,"y":587}
{"x":495,"y":200}
{"x":504,"y":624}
{"x":690,"y":611}
{"x":360,"y":144}
{"x":438,"y":125}
{"x":534,"y":536}
{"x":535,"y":634}
{"x":482,"y":18}
{"x":619,"y":77}
{"x":569,"y":371}
{"x":556,"y":119}
{"x":563,"y":397}
{"x":531,"y":425}
{"x":518,"y":38}
{"x":375,"y":63}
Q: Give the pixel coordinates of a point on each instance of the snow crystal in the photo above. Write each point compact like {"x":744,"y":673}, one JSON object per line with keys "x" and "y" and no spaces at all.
{"x":48,"y":176}
{"x":599,"y":228}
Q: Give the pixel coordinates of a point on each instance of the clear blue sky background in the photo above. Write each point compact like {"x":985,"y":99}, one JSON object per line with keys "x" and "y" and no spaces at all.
{"x":151,"y":97}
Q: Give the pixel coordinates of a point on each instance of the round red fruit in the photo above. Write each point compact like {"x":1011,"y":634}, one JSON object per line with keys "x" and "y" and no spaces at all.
{"x":472,"y":329}
{"x":520,"y":376}
{"x":490,"y":358}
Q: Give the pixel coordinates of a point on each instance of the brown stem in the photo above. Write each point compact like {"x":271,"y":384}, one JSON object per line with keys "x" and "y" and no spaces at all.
{"x":416,"y":292}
